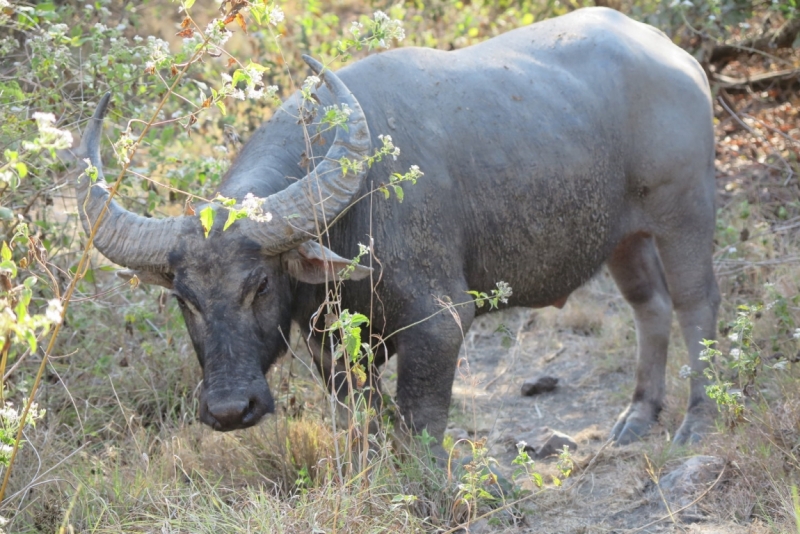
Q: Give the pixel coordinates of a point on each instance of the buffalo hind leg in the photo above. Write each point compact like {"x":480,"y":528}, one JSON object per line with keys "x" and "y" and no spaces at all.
{"x":686,"y":253}
{"x":637,"y":270}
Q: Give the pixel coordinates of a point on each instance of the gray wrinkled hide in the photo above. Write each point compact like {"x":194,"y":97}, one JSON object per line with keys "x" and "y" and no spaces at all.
{"x":547,"y":151}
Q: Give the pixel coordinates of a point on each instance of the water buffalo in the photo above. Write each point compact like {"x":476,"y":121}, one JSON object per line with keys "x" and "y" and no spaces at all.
{"x":547,"y":152}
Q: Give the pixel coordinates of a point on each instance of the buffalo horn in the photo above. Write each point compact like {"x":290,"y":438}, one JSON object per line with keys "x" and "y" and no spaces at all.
{"x":309,"y":205}
{"x":123,"y":237}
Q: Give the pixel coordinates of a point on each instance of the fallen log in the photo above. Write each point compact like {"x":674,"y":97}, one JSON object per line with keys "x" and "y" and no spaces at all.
{"x":781,"y":37}
{"x":782,"y":79}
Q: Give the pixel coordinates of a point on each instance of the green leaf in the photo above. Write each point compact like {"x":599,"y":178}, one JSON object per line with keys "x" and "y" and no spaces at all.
{"x":353,"y":342}
{"x":30,"y":338}
{"x":233,"y":216}
{"x":25,"y":297}
{"x":207,"y":219}
{"x":221,"y":106}
{"x":399,"y":192}
{"x":22,"y":169}
{"x":239,"y":75}
{"x":188,"y":4}
{"x":5,"y":252}
{"x":358,"y":319}
{"x":256,"y":66}
{"x":167,"y":134}
{"x":9,"y":266}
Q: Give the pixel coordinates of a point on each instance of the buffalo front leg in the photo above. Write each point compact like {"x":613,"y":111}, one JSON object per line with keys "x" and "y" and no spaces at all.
{"x":638,"y":272}
{"x":427,"y":358}
{"x":350,"y":389}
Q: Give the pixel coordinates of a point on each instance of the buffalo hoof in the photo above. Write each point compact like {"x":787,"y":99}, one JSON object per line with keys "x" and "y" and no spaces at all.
{"x":634,"y":423}
{"x":698,"y":422}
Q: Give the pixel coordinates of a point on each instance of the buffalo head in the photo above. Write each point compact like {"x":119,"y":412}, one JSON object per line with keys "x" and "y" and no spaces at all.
{"x":235,"y":286}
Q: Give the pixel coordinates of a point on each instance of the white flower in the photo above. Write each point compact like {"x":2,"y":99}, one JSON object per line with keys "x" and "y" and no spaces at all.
{"x":276,"y":16}
{"x":685,"y":372}
{"x":216,"y":32}
{"x":796,"y":334}
{"x":311,"y":83}
{"x":734,"y":337}
{"x":44,"y":118}
{"x":252,"y":202}
{"x":254,"y":93}
{"x":226,"y":77}
{"x":8,"y":414}
{"x":49,"y":135}
{"x":252,"y":206}
{"x":388,"y":147}
{"x":355,"y":28}
{"x":735,"y":353}
{"x":503,"y":291}
{"x":384,"y":29}
{"x":54,"y":310}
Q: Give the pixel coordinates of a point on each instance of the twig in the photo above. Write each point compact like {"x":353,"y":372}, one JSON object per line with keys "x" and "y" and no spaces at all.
{"x":752,"y":131}
{"x":591,"y":464}
{"x":757,"y":81}
{"x":37,"y":480}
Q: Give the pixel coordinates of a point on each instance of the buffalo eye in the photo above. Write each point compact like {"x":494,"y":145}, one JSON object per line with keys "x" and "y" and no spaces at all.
{"x":262,"y":287}
{"x":181,"y":302}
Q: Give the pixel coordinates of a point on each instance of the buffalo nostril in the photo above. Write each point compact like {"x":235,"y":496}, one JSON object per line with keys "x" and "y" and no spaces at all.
{"x":229,"y":413}
{"x":251,"y":416}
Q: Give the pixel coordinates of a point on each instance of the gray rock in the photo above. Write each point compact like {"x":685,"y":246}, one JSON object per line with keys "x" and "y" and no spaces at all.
{"x":538,"y":384}
{"x":457,"y":433}
{"x":685,"y":483}
{"x":544,"y":442}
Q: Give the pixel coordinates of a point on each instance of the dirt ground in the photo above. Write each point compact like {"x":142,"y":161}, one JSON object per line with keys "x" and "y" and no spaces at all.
{"x":590,"y":347}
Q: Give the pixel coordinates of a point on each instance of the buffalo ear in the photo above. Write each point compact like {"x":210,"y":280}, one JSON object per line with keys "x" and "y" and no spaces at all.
{"x":147,"y":277}
{"x":310,"y":262}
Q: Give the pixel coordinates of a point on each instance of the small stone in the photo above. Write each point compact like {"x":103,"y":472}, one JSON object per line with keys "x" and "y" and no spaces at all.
{"x":544,"y":442}
{"x":538,"y":384}
{"x":457,"y":434}
{"x":683,"y":484}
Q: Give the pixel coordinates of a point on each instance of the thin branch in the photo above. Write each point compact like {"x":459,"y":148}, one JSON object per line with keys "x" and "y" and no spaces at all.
{"x":776,"y":152}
